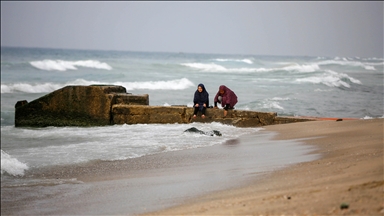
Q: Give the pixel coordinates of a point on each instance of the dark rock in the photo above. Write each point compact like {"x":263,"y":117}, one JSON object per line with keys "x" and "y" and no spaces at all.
{"x":216,"y":132}
{"x":344,"y":206}
{"x":209,"y":133}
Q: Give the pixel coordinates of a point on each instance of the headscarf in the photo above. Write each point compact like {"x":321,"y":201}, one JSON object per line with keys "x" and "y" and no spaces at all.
{"x":228,"y":97}
{"x":201,"y":98}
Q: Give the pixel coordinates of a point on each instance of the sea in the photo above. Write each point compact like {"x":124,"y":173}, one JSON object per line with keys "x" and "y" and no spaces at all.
{"x":317,"y":86}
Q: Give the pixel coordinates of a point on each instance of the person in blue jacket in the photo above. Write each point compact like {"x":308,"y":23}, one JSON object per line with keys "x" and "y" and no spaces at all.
{"x":200,"y":100}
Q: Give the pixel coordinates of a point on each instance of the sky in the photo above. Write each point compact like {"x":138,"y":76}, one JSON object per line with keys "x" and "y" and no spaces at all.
{"x":343,"y":29}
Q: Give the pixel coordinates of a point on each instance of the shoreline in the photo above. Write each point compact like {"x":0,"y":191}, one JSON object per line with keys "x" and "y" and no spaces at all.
{"x":307,"y":168}
{"x":347,"y":179}
{"x":152,"y":182}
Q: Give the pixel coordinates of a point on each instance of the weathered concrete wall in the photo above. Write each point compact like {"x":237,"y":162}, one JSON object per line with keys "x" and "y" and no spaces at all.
{"x":136,"y":114}
{"x":131,"y":99}
{"x":73,"y":106}
{"x":98,"y":105}
{"x":131,"y":114}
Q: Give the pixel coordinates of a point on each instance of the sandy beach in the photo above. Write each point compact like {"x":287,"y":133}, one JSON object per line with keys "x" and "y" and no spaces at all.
{"x":309,"y":168}
{"x":347,"y":179}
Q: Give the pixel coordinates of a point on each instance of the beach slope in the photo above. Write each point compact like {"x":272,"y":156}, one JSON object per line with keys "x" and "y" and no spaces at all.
{"x":347,"y":179}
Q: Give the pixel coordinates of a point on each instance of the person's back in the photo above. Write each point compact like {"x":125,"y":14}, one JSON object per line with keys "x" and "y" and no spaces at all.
{"x":228,"y":98}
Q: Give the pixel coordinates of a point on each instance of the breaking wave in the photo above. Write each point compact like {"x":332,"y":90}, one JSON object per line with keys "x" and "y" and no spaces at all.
{"x":331,"y":79}
{"x":345,"y":62}
{"x":11,"y":165}
{"x":61,"y":65}
{"x":177,"y":84}
{"x":212,"y":67}
{"x":282,"y":66}
{"x":248,"y":61}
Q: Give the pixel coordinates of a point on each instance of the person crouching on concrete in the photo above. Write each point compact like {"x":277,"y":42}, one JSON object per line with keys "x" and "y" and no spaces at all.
{"x":200,"y":100}
{"x":226,"y":97}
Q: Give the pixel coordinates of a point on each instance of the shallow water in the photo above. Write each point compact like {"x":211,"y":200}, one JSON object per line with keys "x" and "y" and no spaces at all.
{"x":156,"y":181}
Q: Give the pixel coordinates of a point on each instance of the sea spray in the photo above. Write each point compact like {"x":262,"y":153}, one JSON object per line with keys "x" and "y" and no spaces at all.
{"x":61,"y":65}
{"x":11,"y":165}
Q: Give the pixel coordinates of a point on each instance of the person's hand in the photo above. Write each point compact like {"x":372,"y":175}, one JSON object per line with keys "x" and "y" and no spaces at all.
{"x":205,"y":105}
{"x":197,"y":105}
{"x":225,"y":113}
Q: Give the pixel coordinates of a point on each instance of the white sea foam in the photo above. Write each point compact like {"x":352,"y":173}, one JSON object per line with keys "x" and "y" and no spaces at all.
{"x":374,"y":59}
{"x":68,"y":145}
{"x":176,"y":84}
{"x":29,"y":88}
{"x":280,"y":99}
{"x":331,"y":78}
{"x":248,"y":61}
{"x":61,"y":65}
{"x":11,"y":165}
{"x":212,"y":67}
{"x":323,"y":90}
{"x":206,"y":67}
{"x":271,"y":104}
{"x":346,"y":62}
{"x":306,"y":68}
{"x":367,"y":117}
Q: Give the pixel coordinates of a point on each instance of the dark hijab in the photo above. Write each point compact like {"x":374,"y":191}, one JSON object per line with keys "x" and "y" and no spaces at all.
{"x":201,"y":98}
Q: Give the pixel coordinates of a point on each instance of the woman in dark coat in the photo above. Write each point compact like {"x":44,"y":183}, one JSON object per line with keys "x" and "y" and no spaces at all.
{"x":226,"y":97}
{"x":200,"y":100}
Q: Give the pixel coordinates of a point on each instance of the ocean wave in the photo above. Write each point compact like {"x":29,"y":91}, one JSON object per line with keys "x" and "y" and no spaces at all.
{"x":212,"y":67}
{"x":30,"y":88}
{"x":285,"y":66}
{"x":332,"y":79}
{"x":280,"y":99}
{"x":346,"y":62}
{"x":306,"y":68}
{"x":11,"y":165}
{"x":177,"y":84}
{"x":323,"y":90}
{"x":369,"y":117}
{"x":248,"y":61}
{"x":271,"y":104}
{"x":206,"y":67}
{"x":61,"y":65}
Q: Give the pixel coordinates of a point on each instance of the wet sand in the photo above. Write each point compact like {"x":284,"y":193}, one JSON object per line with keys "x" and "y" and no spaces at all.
{"x":347,"y":179}
{"x":308,"y":168}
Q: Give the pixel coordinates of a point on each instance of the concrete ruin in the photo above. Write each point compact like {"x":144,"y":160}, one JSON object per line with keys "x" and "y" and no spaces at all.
{"x":99,"y":105}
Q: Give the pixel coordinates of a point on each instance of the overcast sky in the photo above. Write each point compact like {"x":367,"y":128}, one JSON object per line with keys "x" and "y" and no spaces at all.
{"x":344,"y":29}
